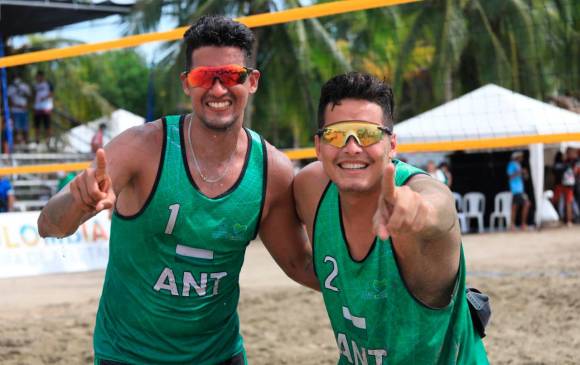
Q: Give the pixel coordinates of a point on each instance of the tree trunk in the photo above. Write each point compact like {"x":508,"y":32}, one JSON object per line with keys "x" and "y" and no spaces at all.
{"x":253,"y":9}
{"x":448,"y":84}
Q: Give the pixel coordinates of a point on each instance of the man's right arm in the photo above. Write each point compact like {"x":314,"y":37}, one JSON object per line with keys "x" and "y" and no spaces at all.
{"x":86,"y":195}
{"x":91,"y":191}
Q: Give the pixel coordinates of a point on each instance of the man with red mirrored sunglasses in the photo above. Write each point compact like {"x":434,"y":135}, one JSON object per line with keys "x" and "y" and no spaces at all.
{"x":386,"y":242}
{"x":189,"y":193}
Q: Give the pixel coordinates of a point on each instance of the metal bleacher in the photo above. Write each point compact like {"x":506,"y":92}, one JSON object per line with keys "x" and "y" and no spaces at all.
{"x":32,"y":191}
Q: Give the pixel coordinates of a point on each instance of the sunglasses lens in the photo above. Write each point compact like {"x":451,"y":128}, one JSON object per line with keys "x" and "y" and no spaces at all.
{"x":334,"y":137}
{"x":228,"y":76}
{"x":368,"y":136}
{"x":364,"y":133}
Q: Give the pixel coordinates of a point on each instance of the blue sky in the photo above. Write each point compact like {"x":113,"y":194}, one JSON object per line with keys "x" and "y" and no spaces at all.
{"x":99,"y":30}
{"x":109,"y":28}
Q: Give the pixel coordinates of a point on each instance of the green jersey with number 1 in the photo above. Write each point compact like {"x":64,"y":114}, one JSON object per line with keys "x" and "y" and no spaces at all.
{"x":376,"y":320}
{"x":172,"y":283}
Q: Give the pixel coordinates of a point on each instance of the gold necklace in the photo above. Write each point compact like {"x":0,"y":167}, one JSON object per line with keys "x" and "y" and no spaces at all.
{"x":203,"y":177}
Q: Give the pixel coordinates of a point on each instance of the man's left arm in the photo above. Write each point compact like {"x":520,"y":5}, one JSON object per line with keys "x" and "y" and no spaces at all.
{"x":280,"y":229}
{"x":442,"y":226}
{"x":421,"y":218}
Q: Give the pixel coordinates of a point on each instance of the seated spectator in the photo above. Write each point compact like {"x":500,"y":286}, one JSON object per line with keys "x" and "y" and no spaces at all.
{"x":64,"y":178}
{"x":6,"y":195}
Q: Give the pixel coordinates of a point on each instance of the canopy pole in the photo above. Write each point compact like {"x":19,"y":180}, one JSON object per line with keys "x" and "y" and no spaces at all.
{"x":7,"y":121}
{"x":537,"y":172}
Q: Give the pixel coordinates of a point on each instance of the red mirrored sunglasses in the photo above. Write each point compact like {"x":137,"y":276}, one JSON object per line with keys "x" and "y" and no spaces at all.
{"x":229,"y":75}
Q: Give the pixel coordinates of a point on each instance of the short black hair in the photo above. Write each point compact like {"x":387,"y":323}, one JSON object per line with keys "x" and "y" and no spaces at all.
{"x":219,"y":31}
{"x":357,"y":85}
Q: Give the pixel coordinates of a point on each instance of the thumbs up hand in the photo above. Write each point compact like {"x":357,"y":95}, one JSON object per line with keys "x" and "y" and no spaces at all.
{"x":400,"y":209}
{"x":92,"y":189}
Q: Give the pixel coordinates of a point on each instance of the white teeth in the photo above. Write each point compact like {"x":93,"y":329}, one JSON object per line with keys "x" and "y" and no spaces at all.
{"x":219,"y":104}
{"x":353,"y":165}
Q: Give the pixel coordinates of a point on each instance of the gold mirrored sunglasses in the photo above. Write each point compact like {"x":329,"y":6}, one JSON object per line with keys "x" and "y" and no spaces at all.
{"x":364,"y":133}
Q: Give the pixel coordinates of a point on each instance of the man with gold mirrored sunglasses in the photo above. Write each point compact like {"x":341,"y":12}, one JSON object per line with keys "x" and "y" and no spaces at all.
{"x":386,"y":243}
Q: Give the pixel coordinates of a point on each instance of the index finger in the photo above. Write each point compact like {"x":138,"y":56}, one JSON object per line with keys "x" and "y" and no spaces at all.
{"x":389,"y":183}
{"x":101,"y":170}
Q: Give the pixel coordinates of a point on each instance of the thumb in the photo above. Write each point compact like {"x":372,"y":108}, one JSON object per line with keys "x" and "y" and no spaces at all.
{"x":389,"y":192}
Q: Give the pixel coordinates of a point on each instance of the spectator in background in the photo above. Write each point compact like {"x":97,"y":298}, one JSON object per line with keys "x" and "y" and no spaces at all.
{"x":97,"y":141}
{"x":18,"y":96}
{"x":569,"y":183}
{"x":561,"y":191}
{"x":6,"y":195}
{"x":43,"y":104}
{"x":431,"y":169}
{"x":444,"y":174}
{"x":440,"y":173}
{"x":577,"y":184}
{"x":64,"y":178}
{"x":517,"y":174}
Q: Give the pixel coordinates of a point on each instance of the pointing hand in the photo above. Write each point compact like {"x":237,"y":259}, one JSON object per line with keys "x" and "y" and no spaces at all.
{"x":92,"y":189}
{"x":400,"y":209}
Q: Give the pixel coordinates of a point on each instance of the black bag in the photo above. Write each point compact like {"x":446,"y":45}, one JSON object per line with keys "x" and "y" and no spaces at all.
{"x":479,"y":308}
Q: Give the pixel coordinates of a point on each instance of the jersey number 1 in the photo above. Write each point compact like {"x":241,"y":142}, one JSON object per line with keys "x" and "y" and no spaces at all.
{"x":172,"y":218}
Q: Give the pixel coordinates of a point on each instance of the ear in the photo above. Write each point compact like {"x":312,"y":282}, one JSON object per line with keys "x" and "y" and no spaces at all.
{"x":254,"y":80}
{"x":393,"y":146}
{"x":184,"y":83}
{"x":317,"y":146}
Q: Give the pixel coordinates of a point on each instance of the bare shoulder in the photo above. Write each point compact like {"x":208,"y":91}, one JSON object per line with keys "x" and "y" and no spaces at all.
{"x":133,"y":150}
{"x":138,"y":136}
{"x":310,"y":180}
{"x":309,"y":185}
{"x":280,"y":168}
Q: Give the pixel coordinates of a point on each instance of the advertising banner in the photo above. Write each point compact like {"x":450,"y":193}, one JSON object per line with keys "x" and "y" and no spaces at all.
{"x":24,"y":253}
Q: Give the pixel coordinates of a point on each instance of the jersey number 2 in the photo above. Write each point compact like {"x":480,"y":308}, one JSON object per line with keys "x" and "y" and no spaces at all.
{"x":332,"y":275}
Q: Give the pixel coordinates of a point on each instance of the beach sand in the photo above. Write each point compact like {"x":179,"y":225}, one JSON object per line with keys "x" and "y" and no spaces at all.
{"x":533,"y":279}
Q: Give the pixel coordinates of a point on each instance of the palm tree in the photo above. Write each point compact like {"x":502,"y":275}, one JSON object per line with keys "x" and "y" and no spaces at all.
{"x":525,"y":46}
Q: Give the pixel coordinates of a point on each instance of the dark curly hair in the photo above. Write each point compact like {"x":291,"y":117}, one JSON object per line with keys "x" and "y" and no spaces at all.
{"x":357,"y":85}
{"x":219,"y":31}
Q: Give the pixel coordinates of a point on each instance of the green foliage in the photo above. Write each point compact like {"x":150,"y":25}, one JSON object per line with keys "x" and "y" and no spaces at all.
{"x":431,"y":51}
{"x":87,"y":87}
{"x":122,"y":78}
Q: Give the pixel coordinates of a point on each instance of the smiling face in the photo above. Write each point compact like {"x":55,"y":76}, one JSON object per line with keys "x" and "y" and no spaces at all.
{"x":220,"y":107}
{"x":354,"y":168}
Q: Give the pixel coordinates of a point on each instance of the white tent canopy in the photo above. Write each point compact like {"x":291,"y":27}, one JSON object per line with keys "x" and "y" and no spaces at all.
{"x":493,"y":112}
{"x":79,"y":138}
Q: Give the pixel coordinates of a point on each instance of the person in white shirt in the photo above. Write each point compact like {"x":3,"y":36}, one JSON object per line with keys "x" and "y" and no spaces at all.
{"x":42,"y":106}
{"x":18,"y":96}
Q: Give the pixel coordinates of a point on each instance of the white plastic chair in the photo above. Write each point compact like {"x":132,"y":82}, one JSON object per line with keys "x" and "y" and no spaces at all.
{"x":460,"y":214}
{"x":502,"y":210}
{"x":473,"y":207}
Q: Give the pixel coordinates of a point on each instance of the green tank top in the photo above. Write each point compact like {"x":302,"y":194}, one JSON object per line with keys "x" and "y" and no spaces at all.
{"x":376,"y":320}
{"x":171,"y":288}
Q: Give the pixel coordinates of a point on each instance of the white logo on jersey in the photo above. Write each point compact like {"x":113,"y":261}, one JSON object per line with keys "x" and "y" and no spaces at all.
{"x":166,"y":281}
{"x":360,"y":357}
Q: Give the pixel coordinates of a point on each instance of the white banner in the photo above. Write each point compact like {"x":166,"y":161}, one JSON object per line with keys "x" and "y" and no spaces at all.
{"x":23,"y":252}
